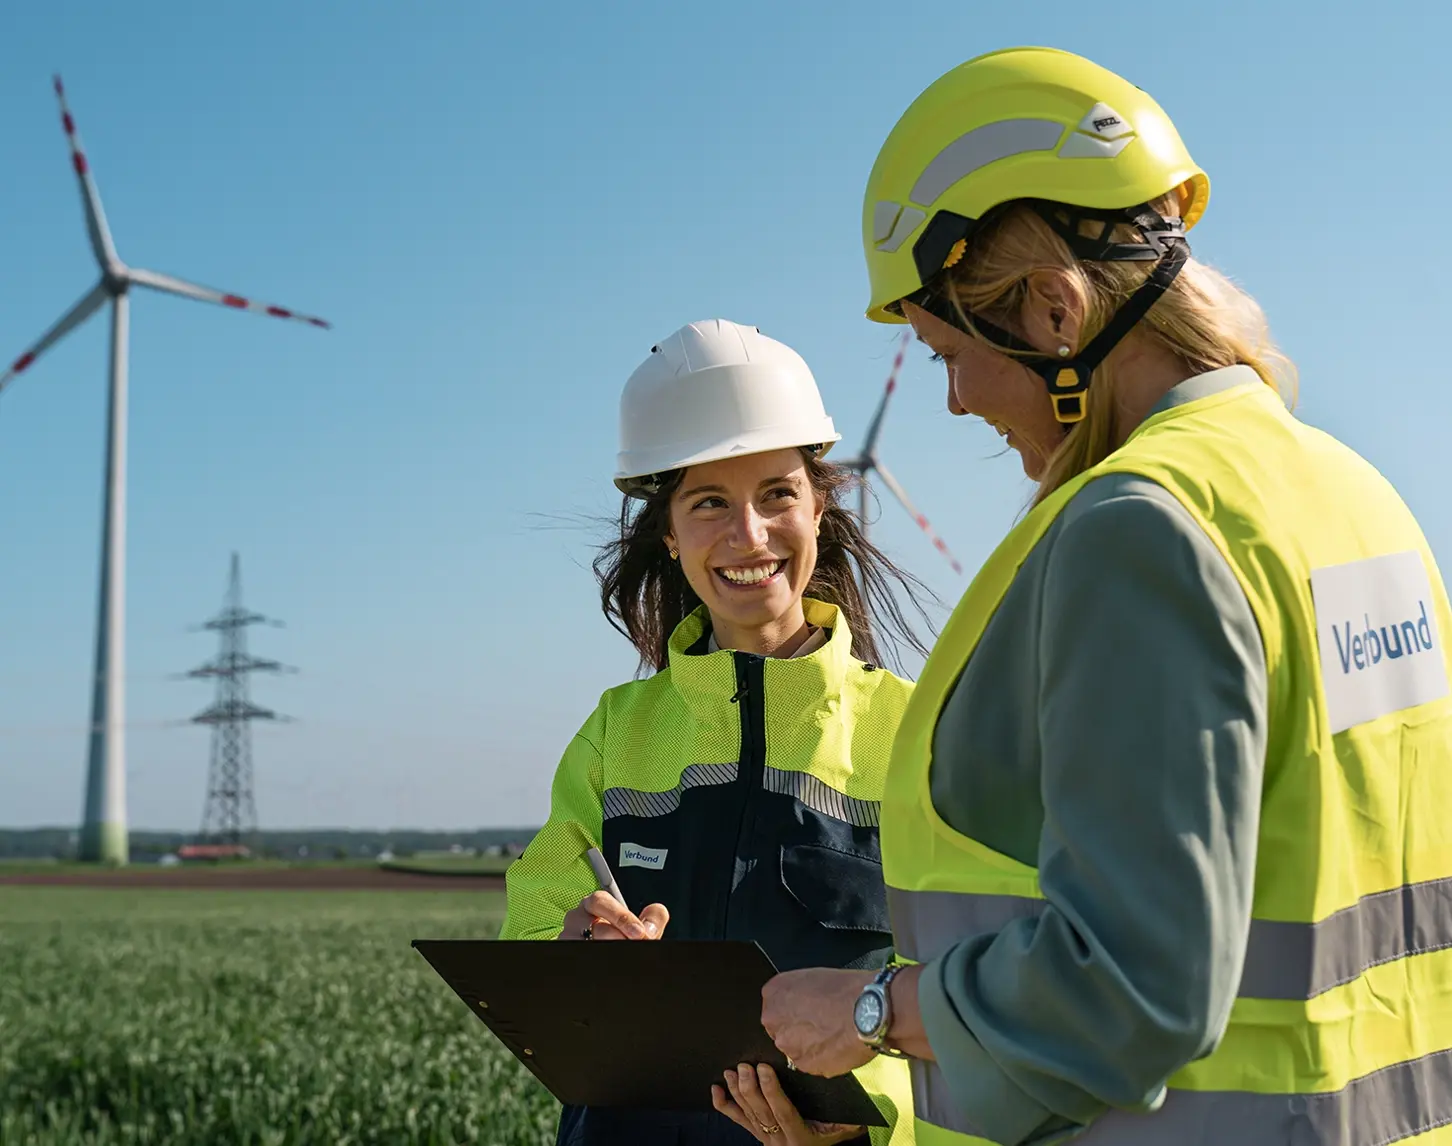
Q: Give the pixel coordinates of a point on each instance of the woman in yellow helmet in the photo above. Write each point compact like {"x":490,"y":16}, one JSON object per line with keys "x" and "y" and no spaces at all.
{"x":1166,"y":829}
{"x":734,"y":790}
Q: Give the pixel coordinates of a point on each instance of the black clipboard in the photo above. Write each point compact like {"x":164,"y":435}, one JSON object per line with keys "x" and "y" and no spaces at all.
{"x":642,"y":1025}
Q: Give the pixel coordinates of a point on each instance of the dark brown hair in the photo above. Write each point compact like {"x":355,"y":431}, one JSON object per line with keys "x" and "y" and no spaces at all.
{"x":645,"y":595}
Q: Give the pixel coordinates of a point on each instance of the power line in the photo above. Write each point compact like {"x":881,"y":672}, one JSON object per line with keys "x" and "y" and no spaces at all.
{"x":230,"y":813}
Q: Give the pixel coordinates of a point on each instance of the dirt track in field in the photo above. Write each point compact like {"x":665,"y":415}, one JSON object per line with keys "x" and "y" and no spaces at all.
{"x":262,"y":879}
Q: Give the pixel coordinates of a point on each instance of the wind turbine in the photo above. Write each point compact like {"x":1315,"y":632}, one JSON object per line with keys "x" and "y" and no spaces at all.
{"x":103,"y":831}
{"x":869,"y":461}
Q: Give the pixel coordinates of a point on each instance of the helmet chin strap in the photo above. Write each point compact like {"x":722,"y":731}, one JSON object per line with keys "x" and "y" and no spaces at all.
{"x":1067,"y":378}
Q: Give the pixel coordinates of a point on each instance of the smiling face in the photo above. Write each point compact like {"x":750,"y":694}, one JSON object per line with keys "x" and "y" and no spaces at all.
{"x":1004,"y":393}
{"x":745,"y":530}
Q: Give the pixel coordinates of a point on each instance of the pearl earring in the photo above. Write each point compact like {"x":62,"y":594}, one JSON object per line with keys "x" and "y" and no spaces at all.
{"x":1063,"y":352}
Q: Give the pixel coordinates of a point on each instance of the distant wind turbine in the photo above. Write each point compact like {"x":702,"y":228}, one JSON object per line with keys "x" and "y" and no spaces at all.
{"x":869,"y":461}
{"x":103,"y":832}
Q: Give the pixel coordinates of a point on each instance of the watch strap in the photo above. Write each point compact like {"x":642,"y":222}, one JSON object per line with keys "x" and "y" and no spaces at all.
{"x":884,"y":979}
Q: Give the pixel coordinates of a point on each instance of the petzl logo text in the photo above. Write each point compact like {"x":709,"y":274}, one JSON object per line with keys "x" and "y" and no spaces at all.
{"x":633,"y":855}
{"x":1381,"y":651}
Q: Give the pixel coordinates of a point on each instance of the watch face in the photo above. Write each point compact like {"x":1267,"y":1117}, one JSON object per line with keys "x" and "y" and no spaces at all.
{"x":867,"y":1014}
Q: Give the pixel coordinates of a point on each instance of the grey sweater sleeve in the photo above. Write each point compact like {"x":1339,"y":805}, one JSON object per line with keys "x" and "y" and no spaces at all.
{"x":1151,"y":724}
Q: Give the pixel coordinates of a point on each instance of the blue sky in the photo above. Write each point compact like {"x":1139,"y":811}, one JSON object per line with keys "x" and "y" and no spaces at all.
{"x":501,"y":207}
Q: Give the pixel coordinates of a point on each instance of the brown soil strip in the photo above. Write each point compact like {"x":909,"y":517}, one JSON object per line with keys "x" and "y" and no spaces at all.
{"x":262,"y":879}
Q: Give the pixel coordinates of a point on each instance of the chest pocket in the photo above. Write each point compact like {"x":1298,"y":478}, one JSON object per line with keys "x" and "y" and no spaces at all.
{"x":840,"y":902}
{"x":650,"y":866}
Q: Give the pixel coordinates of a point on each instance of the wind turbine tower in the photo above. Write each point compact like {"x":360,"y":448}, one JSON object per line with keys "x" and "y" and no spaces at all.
{"x":869,"y":461}
{"x":103,"y":830}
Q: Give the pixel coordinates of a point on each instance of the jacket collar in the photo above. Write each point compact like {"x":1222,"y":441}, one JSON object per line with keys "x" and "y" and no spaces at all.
{"x":797,"y":686}
{"x":1199,"y":386}
{"x":815,"y":639}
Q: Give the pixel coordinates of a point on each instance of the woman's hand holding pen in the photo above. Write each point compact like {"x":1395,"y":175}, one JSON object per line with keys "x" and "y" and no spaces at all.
{"x":602,"y":916}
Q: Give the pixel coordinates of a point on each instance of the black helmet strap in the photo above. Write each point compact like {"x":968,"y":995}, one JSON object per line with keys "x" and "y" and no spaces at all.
{"x":1066,"y":377}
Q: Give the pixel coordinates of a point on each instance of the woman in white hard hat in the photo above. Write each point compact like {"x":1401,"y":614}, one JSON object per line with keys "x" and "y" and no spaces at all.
{"x":735,"y":791}
{"x":1166,"y":829}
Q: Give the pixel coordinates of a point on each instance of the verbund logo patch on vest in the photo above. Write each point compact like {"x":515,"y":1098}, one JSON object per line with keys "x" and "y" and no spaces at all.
{"x":1376,"y":625}
{"x":633,"y":855}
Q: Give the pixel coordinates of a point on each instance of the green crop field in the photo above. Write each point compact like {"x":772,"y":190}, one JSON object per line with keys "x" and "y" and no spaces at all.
{"x":266,"y":1018}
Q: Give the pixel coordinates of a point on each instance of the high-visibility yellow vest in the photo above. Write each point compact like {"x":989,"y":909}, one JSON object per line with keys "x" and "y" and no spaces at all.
{"x":1342,"y":1029}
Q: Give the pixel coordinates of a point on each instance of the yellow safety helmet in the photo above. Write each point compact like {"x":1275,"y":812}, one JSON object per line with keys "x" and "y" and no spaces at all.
{"x":1049,"y":128}
{"x":1021,"y":123}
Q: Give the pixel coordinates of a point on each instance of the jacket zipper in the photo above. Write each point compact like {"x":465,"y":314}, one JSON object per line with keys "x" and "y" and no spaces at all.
{"x":751,"y":699}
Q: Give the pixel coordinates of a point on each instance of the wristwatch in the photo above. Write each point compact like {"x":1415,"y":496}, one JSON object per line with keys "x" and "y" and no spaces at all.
{"x":872,"y":1013}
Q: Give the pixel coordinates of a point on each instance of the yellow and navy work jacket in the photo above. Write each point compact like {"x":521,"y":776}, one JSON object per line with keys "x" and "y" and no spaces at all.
{"x":1341,"y":1032}
{"x":742,"y":792}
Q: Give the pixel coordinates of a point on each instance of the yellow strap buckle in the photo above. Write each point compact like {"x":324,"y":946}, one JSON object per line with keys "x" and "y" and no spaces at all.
{"x":1067,"y":393}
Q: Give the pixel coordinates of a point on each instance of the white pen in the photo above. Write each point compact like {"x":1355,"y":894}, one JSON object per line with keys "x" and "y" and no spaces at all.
{"x":604,"y":876}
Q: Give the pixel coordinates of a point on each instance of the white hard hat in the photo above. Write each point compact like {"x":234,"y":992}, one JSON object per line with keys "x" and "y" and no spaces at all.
{"x":715,"y":390}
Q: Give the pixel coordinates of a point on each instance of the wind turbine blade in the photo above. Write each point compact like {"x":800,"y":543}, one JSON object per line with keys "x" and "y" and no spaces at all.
{"x":901,"y":495}
{"x":875,"y":428}
{"x":69,"y":321}
{"x":169,"y":285}
{"x":101,"y":245}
